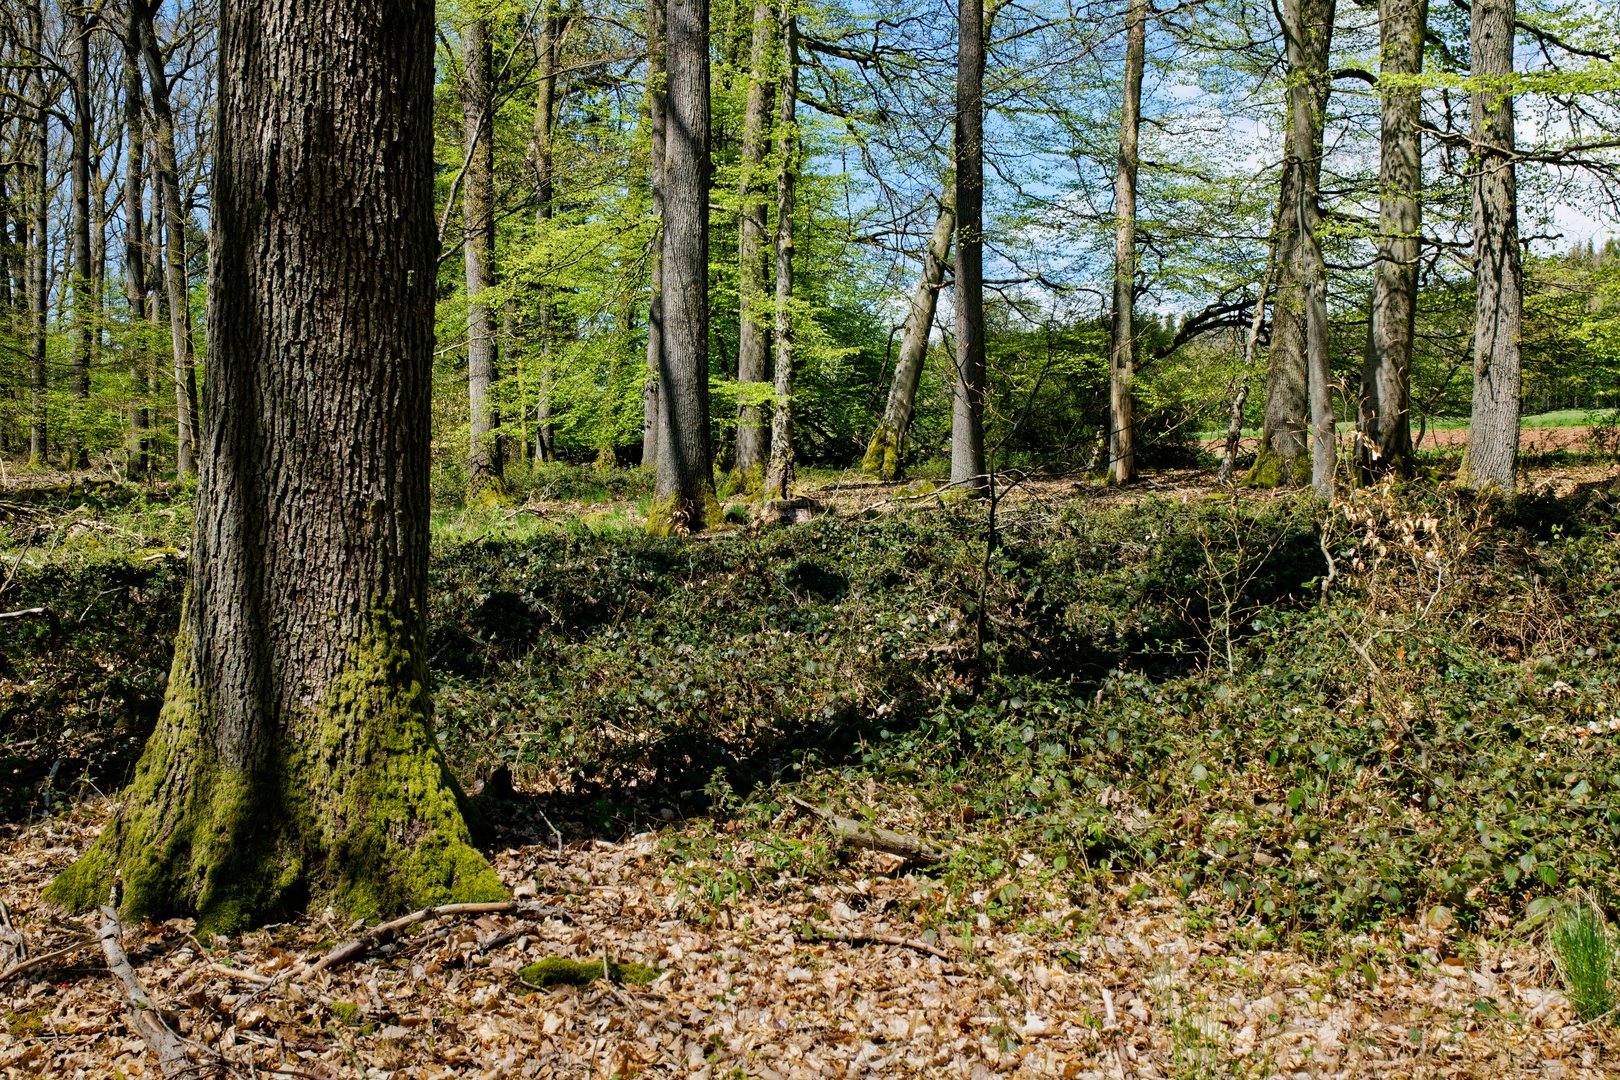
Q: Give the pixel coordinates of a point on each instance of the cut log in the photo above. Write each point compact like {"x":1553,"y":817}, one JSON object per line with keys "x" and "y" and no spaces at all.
{"x":874,"y":838}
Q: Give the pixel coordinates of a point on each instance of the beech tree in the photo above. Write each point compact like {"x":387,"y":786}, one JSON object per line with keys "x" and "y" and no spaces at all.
{"x":1121,"y":422}
{"x":478,"y":250}
{"x":967,"y":403}
{"x":779,"y":472}
{"x":753,"y":311}
{"x":294,"y":762}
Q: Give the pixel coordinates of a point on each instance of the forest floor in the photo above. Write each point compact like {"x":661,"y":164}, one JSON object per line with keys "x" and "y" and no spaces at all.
{"x":778,"y":954}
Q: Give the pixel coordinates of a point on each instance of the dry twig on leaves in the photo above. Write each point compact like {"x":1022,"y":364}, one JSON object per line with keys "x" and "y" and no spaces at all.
{"x":874,"y":838}
{"x":158,"y":1036}
{"x":851,"y":938}
{"x":383,"y":932}
{"x":32,"y":962}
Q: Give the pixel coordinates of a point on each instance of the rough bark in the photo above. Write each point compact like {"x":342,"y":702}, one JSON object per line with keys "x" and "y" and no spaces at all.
{"x":683,"y":496}
{"x":1493,"y":428}
{"x":478,"y":252}
{"x":1384,"y":441}
{"x":294,"y":762}
{"x":657,"y":111}
{"x":886,"y":453}
{"x":187,"y":426}
{"x":753,"y":334}
{"x":1284,"y":436}
{"x":779,"y":473}
{"x":967,"y":403}
{"x":1121,"y":416}
{"x":135,"y":232}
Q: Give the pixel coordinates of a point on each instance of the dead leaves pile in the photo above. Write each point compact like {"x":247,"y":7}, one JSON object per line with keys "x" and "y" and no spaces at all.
{"x":761,"y":992}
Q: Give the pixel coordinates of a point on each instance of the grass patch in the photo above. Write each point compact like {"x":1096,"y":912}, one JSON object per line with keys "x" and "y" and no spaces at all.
{"x":1584,"y":955}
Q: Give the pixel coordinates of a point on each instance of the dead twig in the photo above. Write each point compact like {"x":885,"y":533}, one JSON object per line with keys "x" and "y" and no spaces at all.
{"x":874,"y":838}
{"x":32,"y":962}
{"x":851,"y":938}
{"x":350,"y":951}
{"x":147,"y":1022}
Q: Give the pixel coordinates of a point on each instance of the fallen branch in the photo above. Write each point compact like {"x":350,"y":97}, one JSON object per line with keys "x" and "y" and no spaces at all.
{"x":158,"y":1036}
{"x":24,"y":612}
{"x":874,"y":838}
{"x":350,"y":951}
{"x":896,"y":940}
{"x":41,"y":960}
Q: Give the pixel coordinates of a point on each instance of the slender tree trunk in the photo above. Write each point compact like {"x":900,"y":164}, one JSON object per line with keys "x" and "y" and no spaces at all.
{"x":39,"y":249}
{"x":77,"y":34}
{"x":683,"y":497}
{"x":547,"y":56}
{"x":1305,"y":159}
{"x":294,"y":763}
{"x":967,"y":406}
{"x":1121,"y":416}
{"x":1284,"y":435}
{"x":478,"y":251}
{"x":886,"y":453}
{"x":1385,"y":426}
{"x":779,"y":474}
{"x":753,"y":334}
{"x":1493,"y":429}
{"x":657,"y":112}
{"x":135,"y":233}
{"x":174,"y":267}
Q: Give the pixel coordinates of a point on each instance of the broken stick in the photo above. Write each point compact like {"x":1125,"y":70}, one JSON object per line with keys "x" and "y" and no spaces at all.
{"x":148,"y":1024}
{"x":896,"y":940}
{"x":383,"y":932}
{"x":874,"y":838}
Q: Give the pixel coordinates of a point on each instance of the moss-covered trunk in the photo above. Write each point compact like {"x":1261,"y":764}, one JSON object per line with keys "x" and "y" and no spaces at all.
{"x":295,"y":760}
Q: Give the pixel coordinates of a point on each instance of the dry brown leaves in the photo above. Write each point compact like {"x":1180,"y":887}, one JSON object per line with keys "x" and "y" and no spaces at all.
{"x":1139,"y":994}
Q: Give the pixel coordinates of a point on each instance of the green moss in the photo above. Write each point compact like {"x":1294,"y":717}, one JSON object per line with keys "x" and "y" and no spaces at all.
{"x":26,"y":1023}
{"x":561,"y":971}
{"x":676,"y":516}
{"x":744,"y":482}
{"x":1271,"y":470}
{"x":346,"y":1013}
{"x":885,"y":454}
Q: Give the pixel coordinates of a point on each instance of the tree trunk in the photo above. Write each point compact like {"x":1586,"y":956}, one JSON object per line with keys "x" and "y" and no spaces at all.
{"x":1251,"y":342}
{"x":294,"y":763}
{"x":1305,"y":159}
{"x":547,"y":50}
{"x":1121,"y":417}
{"x":753,"y":334}
{"x":1385,"y":428}
{"x":886,"y":453}
{"x":1493,"y":428}
{"x":478,"y":252}
{"x":174,"y":266}
{"x":39,"y":250}
{"x":779,"y":474}
{"x":135,"y":235}
{"x":967,"y":405}
{"x":1284,"y":435}
{"x":78,"y":26}
{"x":683,"y":496}
{"x":657,"y":112}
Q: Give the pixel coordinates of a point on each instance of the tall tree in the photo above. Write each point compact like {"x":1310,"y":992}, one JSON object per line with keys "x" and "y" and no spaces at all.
{"x":79,"y":23}
{"x":135,"y":287}
{"x":294,"y":762}
{"x":683,"y":495}
{"x":967,"y":403}
{"x":1308,"y":39}
{"x":176,"y":287}
{"x":779,"y":473}
{"x":1121,"y":418}
{"x":478,"y":250}
{"x":39,"y":248}
{"x":1493,"y":428}
{"x":1305,"y":160}
{"x":753,"y":332}
{"x":1384,"y":425}
{"x":547,"y":55}
{"x":886,"y":453}
{"x":657,"y":112}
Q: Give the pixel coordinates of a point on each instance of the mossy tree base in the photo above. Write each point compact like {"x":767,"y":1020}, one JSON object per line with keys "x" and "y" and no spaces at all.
{"x":680,"y":515}
{"x":1272,"y":470}
{"x":885,"y":454}
{"x":352,"y":807}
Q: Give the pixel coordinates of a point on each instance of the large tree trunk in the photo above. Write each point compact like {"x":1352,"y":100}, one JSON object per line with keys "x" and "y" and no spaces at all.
{"x":967,"y":404}
{"x":1305,"y":158}
{"x":78,"y":26}
{"x":135,"y":236}
{"x":1121,"y":415}
{"x":39,"y":250}
{"x":753,"y":333}
{"x":174,"y":265}
{"x":886,"y":453}
{"x":683,"y":496}
{"x":548,"y":47}
{"x":1281,"y":458}
{"x":779,"y":474}
{"x":1385,"y":428}
{"x":478,"y":252}
{"x":657,"y":112}
{"x":294,"y":763}
{"x":1493,"y":428}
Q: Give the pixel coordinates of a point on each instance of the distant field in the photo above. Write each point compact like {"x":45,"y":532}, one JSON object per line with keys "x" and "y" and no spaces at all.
{"x":1560,"y":418}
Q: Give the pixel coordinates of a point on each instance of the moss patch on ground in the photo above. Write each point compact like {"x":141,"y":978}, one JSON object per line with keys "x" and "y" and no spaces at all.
{"x":561,"y":971}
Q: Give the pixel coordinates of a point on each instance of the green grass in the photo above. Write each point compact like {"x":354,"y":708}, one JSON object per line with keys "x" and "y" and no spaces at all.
{"x":1560,"y":418}
{"x":1583,"y":953}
